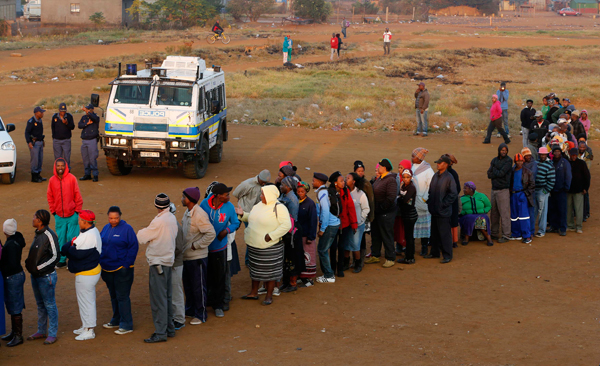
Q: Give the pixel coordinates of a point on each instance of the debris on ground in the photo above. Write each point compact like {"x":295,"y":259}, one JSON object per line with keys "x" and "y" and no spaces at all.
{"x":359,"y":120}
{"x":314,"y":105}
{"x":438,"y":113}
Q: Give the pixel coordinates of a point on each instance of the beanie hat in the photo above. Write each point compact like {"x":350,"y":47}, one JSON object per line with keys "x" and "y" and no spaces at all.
{"x":192,"y":194}
{"x":265,"y":175}
{"x":526,"y":151}
{"x":87,"y":215}
{"x":519,"y":157}
{"x":10,"y":227}
{"x":358,"y":164}
{"x":406,"y":164}
{"x":574,"y":151}
{"x":287,"y":170}
{"x":162,"y":201}
{"x":386,"y":164}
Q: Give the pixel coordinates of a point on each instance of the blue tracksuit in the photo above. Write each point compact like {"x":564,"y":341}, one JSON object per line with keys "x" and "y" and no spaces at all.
{"x":222,"y":218}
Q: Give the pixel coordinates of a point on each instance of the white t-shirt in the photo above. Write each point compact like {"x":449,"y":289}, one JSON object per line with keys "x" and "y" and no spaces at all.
{"x":387,"y":36}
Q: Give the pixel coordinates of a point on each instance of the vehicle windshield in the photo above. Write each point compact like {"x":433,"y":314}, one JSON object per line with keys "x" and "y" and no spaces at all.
{"x":1,"y":125}
{"x":132,"y":94}
{"x":173,"y":95}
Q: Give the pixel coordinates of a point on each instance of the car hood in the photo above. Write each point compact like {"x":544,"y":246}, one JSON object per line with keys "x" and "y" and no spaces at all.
{"x":4,"y":137}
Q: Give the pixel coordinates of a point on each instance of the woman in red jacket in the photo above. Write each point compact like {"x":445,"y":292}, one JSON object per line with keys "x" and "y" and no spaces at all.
{"x":496,"y":121}
{"x":348,"y":225}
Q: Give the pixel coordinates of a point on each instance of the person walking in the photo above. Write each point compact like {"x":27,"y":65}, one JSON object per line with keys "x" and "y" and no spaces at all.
{"x":580,"y":185}
{"x":13,"y":278}
{"x":84,"y":260}
{"x":544,"y":183}
{"x":527,"y":118}
{"x":284,"y":49}
{"x":406,"y":202}
{"x":387,"y":41}
{"x":199,"y":233}
{"x":178,"y":302}
{"x":334,"y":46}
{"x":442,"y":193}
{"x":62,"y":125}
{"x":385,"y":190}
{"x":40,"y":263}
{"x":345,"y":24}
{"x":223,"y":217}
{"x":557,"y":204}
{"x":503,"y":94}
{"x":160,"y":236}
{"x":65,"y":201}
{"x":500,"y":172}
{"x":34,"y":136}
{"x":474,"y":214}
{"x":308,"y":221}
{"x":422,"y":175}
{"x":119,"y":250}
{"x":89,"y":124}
{"x":422,"y":108}
{"x":328,"y":211}
{"x":268,"y":222}
{"x":522,"y":188}
{"x":496,"y":114}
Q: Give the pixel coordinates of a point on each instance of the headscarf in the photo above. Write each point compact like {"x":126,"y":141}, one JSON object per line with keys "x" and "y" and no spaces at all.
{"x":290,"y":182}
{"x":420,"y":153}
{"x":525,"y":151}
{"x":406,"y":164}
{"x":284,"y":163}
{"x":287,"y":170}
{"x":586,"y":115}
{"x":87,"y":215}
{"x":471,"y":185}
{"x":304,"y":185}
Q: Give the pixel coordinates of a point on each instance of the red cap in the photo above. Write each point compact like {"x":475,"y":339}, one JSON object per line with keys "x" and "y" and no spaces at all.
{"x":284,"y":163}
{"x":87,"y":215}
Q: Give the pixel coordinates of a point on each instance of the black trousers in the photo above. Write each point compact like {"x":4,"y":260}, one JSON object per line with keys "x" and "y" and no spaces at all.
{"x":409,"y":229}
{"x":382,"y":232}
{"x":497,"y":123}
{"x":441,"y":237}
{"x":337,"y":248}
{"x":216,"y":278}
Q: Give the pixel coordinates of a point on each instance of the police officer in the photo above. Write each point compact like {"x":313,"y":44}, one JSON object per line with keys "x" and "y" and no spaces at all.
{"x":62,"y":125}
{"x":89,"y":124}
{"x":34,"y":135}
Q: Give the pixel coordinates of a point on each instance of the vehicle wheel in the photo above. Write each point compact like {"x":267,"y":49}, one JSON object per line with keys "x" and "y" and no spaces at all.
{"x":216,"y":152}
{"x":8,"y":178}
{"x":117,"y":167}
{"x":225,"y":39}
{"x":196,"y":168}
{"x":211,"y":39}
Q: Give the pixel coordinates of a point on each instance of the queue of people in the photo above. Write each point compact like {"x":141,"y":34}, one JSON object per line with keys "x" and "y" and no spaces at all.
{"x":191,"y":261}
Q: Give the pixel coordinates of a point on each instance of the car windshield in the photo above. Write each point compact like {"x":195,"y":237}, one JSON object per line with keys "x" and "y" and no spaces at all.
{"x":172,"y":95}
{"x":132,"y":94}
{"x":1,"y":125}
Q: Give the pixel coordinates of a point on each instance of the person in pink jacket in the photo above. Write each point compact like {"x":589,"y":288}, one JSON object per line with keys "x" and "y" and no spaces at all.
{"x":496,"y":121}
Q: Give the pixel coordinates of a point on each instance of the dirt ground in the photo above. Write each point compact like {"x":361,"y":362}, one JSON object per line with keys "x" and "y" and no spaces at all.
{"x":510,"y":304}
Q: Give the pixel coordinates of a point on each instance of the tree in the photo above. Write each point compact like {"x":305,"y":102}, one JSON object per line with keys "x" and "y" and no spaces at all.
{"x":174,"y":13}
{"x":252,"y":9}
{"x":365,"y":8}
{"x":318,"y":10}
{"x":97,"y":18}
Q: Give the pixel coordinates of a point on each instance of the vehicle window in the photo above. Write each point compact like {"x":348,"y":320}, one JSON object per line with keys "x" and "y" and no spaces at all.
{"x":172,"y":95}
{"x":200,"y":99}
{"x":132,"y":94}
{"x":1,"y":125}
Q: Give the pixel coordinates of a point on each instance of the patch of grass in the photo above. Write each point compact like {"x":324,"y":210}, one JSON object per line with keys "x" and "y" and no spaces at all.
{"x":420,"y":45}
{"x":74,"y":102}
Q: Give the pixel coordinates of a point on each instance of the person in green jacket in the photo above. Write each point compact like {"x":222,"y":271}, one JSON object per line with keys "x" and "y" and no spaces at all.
{"x":474,"y":214}
{"x":284,"y":49}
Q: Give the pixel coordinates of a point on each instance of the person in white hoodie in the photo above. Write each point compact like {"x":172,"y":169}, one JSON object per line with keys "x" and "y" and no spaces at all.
{"x":160,"y":236}
{"x":84,"y":260}
{"x":422,"y":175}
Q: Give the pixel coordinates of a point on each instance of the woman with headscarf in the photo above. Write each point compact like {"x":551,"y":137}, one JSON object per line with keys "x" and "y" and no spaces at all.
{"x":454,"y":217}
{"x":522,"y":187}
{"x":268,"y":222}
{"x":307,"y":221}
{"x":585,"y":121}
{"x":475,"y":207}
{"x":406,"y":203}
{"x":352,"y":241}
{"x":293,"y":263}
{"x":286,"y":169}
{"x":11,"y":272}
{"x":399,"y":236}
{"x":359,"y":169}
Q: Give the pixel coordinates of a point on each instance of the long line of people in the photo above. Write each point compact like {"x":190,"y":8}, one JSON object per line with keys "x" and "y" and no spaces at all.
{"x":191,"y":262}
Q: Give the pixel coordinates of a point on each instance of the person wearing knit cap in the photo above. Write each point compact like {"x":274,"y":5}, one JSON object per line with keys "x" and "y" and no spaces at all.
{"x":247,"y":193}
{"x":308,"y":221}
{"x":580,"y":185}
{"x":557,"y":204}
{"x":455,"y":204}
{"x":531,"y":165}
{"x":422,"y":174}
{"x":192,"y":194}
{"x":544,"y":183}
{"x":286,"y":171}
{"x":329,"y":224}
{"x":499,"y":173}
{"x":161,"y":236}
{"x":84,"y":260}
{"x":292,"y":241}
{"x":522,"y":187}
{"x":367,"y":187}
{"x":13,"y":277}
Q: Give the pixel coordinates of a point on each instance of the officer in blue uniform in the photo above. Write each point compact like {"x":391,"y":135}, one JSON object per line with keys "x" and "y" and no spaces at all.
{"x":62,"y":124}
{"x":34,"y":135}
{"x":89,"y":124}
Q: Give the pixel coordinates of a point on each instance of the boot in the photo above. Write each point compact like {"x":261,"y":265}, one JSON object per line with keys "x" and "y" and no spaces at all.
{"x":358,"y":266}
{"x":86,"y":177}
{"x":10,"y":336}
{"x":346,"y":263}
{"x":35,"y":178}
{"x":18,"y":330}
{"x":424,"y":245}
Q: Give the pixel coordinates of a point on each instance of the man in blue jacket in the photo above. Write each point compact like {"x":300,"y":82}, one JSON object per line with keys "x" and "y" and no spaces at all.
{"x":222,"y":215}
{"x":557,"y":205}
{"x":329,"y":225}
{"x":89,"y":124}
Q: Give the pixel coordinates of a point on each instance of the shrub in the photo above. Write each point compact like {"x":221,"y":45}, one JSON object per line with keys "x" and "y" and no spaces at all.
{"x":252,"y":9}
{"x":97,"y":18}
{"x":318,"y":10}
{"x":365,"y":8}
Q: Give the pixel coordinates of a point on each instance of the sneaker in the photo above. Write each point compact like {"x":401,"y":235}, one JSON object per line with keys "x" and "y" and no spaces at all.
{"x":540,"y":235}
{"x":515,"y":238}
{"x":178,"y":325}
{"x":579,"y":231}
{"x":276,"y":291}
{"x":306,"y":282}
{"x":219,"y":313}
{"x":563,"y":233}
{"x":195,"y":321}
{"x":79,"y":331}
{"x":86,"y":335}
{"x":527,"y":240}
{"x":388,"y":263}
{"x":122,"y":331}
{"x":416,"y":133}
{"x":498,"y":135}
{"x":372,"y":260}
{"x":262,"y":291}
{"x":503,"y":240}
{"x":61,"y":264}
{"x":109,"y":325}
{"x":324,"y":279}
{"x":571,"y":229}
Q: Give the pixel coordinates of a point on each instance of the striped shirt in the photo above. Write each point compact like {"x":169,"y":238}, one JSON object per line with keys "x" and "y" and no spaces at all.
{"x":545,"y":176}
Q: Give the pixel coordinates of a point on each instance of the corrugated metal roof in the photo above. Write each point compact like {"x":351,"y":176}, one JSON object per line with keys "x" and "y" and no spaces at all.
{"x":585,"y":1}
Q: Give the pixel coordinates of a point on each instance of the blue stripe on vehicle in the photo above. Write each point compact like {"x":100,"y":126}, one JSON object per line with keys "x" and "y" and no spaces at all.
{"x":123,"y":114}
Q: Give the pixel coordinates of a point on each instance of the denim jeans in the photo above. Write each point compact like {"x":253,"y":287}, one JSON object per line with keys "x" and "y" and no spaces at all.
{"x":323,"y":248}
{"x":14,"y":297}
{"x":344,"y":32}
{"x":422,"y":122}
{"x":541,"y":200}
{"x":119,"y":287}
{"x":43,"y":290}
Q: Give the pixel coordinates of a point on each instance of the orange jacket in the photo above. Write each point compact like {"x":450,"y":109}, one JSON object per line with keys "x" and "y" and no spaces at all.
{"x":63,"y":194}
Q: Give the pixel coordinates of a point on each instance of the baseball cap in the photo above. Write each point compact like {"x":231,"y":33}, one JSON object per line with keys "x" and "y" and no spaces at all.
{"x":444,"y":159}
{"x":89,"y":106}
{"x":38,"y":109}
{"x":539,"y":114}
{"x":220,"y":188}
{"x":62,"y":107}
{"x":567,"y":99}
{"x":421,"y":83}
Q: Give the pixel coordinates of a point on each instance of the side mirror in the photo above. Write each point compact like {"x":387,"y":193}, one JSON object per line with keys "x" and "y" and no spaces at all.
{"x":95,"y":100}
{"x":10,"y":127}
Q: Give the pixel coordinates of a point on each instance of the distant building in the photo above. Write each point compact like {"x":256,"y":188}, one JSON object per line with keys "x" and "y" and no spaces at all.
{"x":79,"y":11}
{"x":8,"y":9}
{"x":585,"y":6}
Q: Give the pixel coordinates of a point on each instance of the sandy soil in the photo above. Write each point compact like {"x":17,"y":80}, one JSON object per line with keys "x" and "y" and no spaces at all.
{"x":511,"y":304}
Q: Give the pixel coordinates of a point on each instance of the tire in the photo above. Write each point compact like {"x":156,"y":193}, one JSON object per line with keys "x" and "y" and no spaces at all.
{"x":117,"y":167}
{"x":225,"y":39}
{"x":216,"y":152}
{"x":196,"y":168}
{"x":8,"y":178}
{"x":211,"y":39}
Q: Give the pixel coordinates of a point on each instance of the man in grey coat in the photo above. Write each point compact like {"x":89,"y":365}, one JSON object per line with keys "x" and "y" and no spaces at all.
{"x":422,"y":107}
{"x":248,"y":192}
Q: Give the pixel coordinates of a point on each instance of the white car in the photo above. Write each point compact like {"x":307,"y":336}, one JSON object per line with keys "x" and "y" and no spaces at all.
{"x":8,"y":154}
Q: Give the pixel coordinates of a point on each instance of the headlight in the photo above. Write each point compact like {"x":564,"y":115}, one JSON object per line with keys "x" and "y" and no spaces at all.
{"x":123,"y":142}
{"x":175,"y":144}
{"x":8,"y":146}
{"x":183,"y":145}
{"x":115,"y":141}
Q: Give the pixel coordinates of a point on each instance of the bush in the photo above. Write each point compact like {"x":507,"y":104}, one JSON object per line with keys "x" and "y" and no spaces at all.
{"x":97,"y":18}
{"x":365,"y":8}
{"x":252,"y":9}
{"x":318,"y":10}
{"x":174,"y":13}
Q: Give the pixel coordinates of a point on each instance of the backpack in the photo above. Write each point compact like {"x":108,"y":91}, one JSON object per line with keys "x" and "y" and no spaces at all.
{"x":335,"y":203}
{"x":347,"y":23}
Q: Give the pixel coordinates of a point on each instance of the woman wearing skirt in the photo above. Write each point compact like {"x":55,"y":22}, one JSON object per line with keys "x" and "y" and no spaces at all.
{"x":268,"y":222}
{"x":474,"y":214}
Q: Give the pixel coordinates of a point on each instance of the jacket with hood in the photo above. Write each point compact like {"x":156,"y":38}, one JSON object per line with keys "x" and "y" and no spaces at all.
{"x":442,"y":194}
{"x":84,"y":253}
{"x":495,"y":111}
{"x":247,"y":193}
{"x":580,"y":174}
{"x":271,"y":218}
{"x":348,"y":214}
{"x":562,"y":177}
{"x":198,"y":232}
{"x":500,"y":170}
{"x":119,"y":246}
{"x":10,"y":261}
{"x":43,"y":253}
{"x":63,"y":193}
{"x":222,"y":218}
{"x":528,"y":182}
